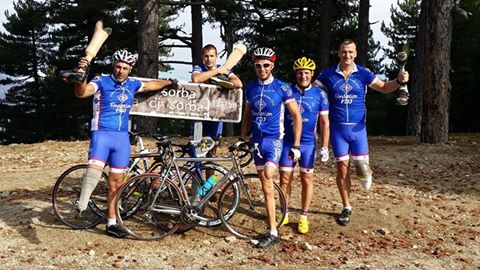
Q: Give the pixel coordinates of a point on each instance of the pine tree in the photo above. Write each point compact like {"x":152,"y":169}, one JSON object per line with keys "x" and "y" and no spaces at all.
{"x":24,"y":56}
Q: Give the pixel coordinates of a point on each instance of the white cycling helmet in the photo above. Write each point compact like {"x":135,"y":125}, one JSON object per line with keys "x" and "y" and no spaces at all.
{"x":264,"y":53}
{"x":124,"y":56}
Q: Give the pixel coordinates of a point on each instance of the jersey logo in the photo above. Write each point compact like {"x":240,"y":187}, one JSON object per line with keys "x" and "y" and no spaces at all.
{"x":301,"y":109}
{"x":260,"y":104}
{"x":286,"y":89}
{"x":346,"y":87}
{"x":278,"y":149}
{"x":122,"y":97}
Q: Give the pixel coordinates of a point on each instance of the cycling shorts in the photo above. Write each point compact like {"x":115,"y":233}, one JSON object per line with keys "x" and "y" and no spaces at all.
{"x":348,"y":139}
{"x":110,"y":147}
{"x":306,"y":162}
{"x":267,"y":152}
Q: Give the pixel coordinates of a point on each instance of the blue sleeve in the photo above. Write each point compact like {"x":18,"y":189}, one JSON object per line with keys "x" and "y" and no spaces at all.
{"x":370,"y":76}
{"x":138,"y":85}
{"x":97,"y":81}
{"x":197,"y":68}
{"x":287,"y":92}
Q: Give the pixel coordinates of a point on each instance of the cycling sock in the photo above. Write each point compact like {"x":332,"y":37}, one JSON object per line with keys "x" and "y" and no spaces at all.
{"x":274,"y":232}
{"x":348,"y":207}
{"x":111,"y":222}
{"x":92,"y":176}
{"x":304,"y":214}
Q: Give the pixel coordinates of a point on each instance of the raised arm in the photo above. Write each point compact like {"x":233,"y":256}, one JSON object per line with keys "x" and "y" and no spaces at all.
{"x":390,"y":86}
{"x":155,"y":85}
{"x":84,"y":89}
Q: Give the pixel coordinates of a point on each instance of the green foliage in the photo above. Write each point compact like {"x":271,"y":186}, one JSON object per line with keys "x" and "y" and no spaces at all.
{"x":402,"y":30}
{"x":384,"y":117}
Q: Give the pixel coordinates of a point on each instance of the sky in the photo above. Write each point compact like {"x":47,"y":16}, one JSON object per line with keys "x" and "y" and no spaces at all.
{"x":379,"y":11}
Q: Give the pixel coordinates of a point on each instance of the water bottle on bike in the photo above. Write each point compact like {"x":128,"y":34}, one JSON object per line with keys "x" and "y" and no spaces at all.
{"x":203,"y":190}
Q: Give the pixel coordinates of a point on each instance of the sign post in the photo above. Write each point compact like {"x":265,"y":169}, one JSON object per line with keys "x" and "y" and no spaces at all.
{"x":193,"y":101}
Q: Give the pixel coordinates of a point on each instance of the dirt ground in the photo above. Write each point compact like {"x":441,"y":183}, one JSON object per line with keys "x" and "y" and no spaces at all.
{"x":422,"y":213}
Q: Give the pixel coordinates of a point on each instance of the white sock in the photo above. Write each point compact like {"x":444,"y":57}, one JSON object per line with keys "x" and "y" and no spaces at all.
{"x":111,"y":222}
{"x":348,"y":207}
{"x":274,"y":233}
{"x":303,"y":216}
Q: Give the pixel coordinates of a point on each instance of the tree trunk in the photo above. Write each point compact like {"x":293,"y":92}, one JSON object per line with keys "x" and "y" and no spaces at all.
{"x":148,"y":26}
{"x":147,"y":65}
{"x":363,"y":30}
{"x":197,"y":36}
{"x":324,"y":33}
{"x":414,"y":118}
{"x":228,"y":128}
{"x":436,"y":69}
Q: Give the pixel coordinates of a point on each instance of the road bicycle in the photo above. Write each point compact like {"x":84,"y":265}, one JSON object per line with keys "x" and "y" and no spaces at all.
{"x":170,"y":201}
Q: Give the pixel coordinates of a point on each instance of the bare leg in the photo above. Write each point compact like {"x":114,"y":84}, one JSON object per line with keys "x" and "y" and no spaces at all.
{"x":266,"y":176}
{"x":115,"y":181}
{"x":343,"y":181}
{"x":286,"y":184}
{"x":307,"y":190}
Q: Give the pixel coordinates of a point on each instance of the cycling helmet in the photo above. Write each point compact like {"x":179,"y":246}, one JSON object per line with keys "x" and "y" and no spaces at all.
{"x":124,"y":56}
{"x":304,"y":63}
{"x":264,"y":53}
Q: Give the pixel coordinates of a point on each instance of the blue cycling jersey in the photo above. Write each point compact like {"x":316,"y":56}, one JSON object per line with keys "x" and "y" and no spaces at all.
{"x":311,"y":102}
{"x":267,"y":101}
{"x":112,"y":102}
{"x":347,"y":96}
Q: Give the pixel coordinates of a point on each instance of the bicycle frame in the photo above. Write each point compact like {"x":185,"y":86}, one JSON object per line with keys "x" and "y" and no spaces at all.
{"x":234,"y":173}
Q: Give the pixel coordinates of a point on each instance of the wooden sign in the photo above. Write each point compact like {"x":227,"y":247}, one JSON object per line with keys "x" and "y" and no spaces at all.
{"x":195,"y":101}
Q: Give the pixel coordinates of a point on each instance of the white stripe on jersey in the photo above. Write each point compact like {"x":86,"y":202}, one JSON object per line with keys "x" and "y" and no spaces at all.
{"x":281,"y":124}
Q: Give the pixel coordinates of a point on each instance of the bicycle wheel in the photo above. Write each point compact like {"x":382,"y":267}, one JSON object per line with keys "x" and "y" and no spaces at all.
{"x":159,"y":213}
{"x":249,"y":220}
{"x":66,"y":193}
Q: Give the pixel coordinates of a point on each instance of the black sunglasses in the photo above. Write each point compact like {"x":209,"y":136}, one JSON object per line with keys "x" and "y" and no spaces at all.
{"x":265,"y":65}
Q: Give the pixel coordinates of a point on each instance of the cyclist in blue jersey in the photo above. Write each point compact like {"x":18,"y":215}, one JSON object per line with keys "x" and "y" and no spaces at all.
{"x":266,"y":99}
{"x":346,"y":85}
{"x":112,"y":100}
{"x":313,"y":104}
{"x":202,"y":74}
